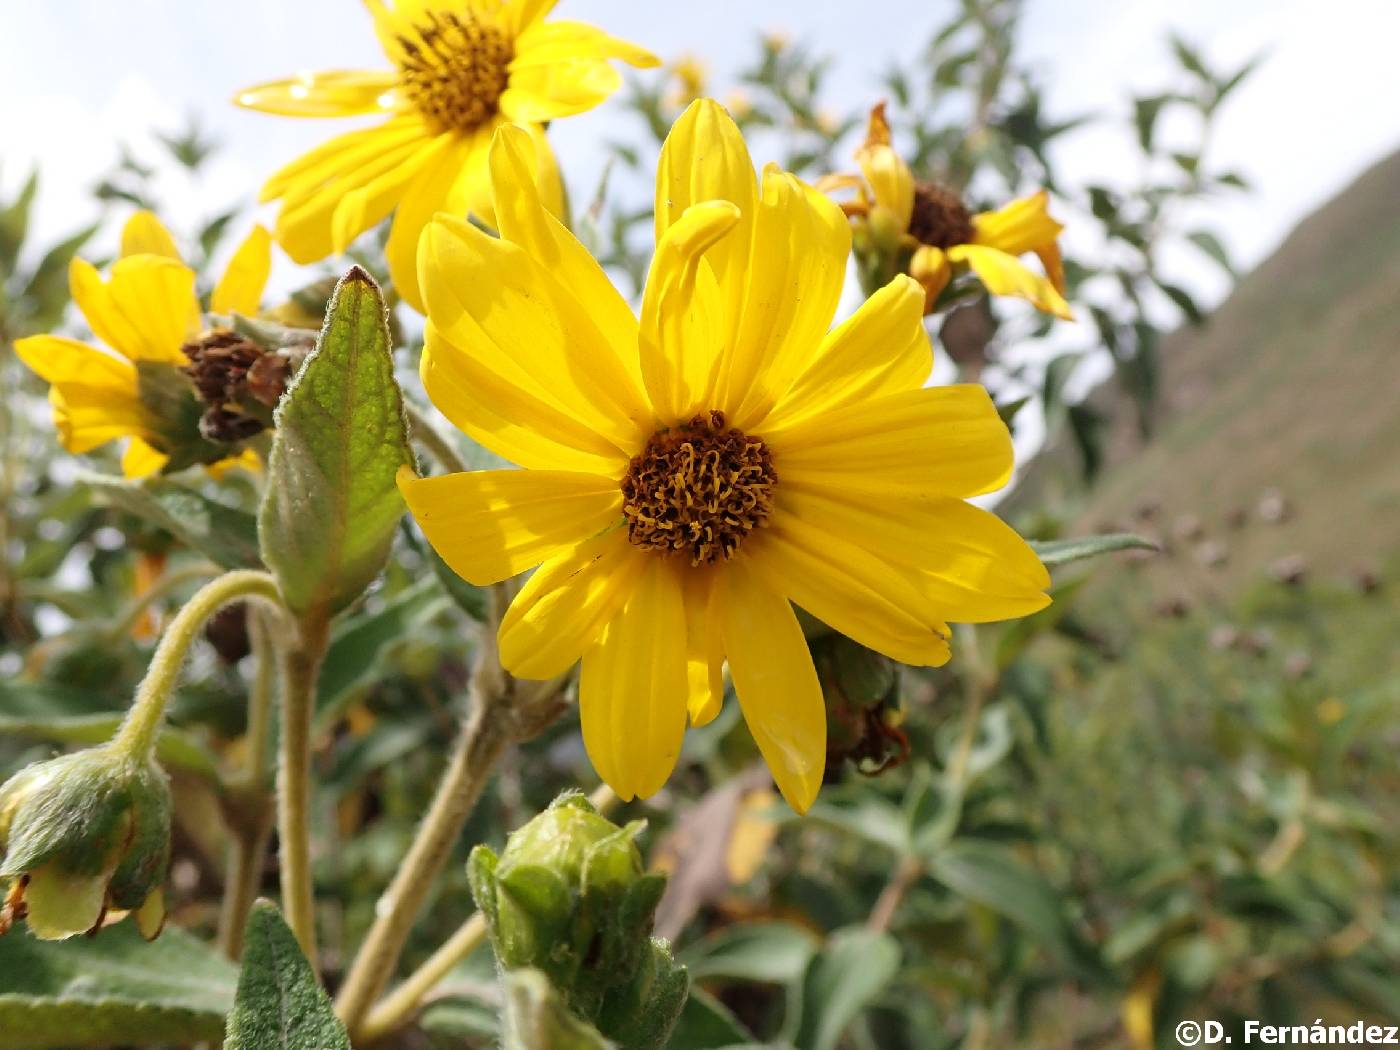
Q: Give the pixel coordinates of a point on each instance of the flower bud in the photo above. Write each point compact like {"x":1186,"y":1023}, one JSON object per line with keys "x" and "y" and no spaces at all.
{"x":568,"y":896}
{"x":82,"y":835}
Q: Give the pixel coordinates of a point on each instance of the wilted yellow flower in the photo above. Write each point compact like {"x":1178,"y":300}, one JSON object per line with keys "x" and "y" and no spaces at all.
{"x":145,"y":313}
{"x":462,"y":68}
{"x":932,"y":222}
{"x":691,"y":476}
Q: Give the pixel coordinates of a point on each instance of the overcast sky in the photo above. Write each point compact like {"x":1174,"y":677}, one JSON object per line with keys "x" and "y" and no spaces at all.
{"x":77,"y":76}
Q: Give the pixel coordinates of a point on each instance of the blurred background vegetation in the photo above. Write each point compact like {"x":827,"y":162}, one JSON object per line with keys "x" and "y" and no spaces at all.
{"x":1173,"y":794}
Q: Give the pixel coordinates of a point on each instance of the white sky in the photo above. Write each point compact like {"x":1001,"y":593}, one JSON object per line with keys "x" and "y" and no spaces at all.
{"x":76,"y":76}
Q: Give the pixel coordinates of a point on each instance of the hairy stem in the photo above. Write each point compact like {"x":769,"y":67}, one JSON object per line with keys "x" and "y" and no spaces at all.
{"x":252,"y":829}
{"x":422,"y":430}
{"x":474,"y":756}
{"x":138,"y":733}
{"x":396,"y":1008}
{"x":903,"y":879}
{"x":301,"y":663}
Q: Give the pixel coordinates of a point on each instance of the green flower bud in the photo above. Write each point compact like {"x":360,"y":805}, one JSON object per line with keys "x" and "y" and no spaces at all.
{"x":568,"y":896}
{"x":82,"y":835}
{"x":863,"y":710}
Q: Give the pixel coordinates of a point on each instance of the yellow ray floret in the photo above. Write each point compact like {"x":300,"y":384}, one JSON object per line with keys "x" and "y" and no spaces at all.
{"x":461,"y":70}
{"x":693,"y":476}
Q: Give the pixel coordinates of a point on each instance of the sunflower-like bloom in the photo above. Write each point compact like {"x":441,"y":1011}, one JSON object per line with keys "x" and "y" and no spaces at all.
{"x":462,"y":67}
{"x":692,"y":475}
{"x":935,"y":230}
{"x":148,"y":316}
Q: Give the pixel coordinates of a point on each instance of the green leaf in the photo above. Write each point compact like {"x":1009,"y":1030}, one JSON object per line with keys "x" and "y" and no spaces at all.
{"x":1212,"y":246}
{"x":1145,"y":113}
{"x":359,"y":644}
{"x":1062,"y":552}
{"x":280,"y":1005}
{"x":175,"y":749}
{"x":222,"y":533}
{"x":1087,"y":425}
{"x":1184,"y":301}
{"x":111,"y":990}
{"x":331,"y":503}
{"x":707,"y":1024}
{"x":772,"y":952}
{"x":992,"y":877}
{"x":843,"y":980}
{"x":536,"y":1017}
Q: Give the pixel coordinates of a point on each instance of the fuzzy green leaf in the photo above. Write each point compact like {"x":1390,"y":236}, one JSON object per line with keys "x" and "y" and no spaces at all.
{"x":222,"y":533}
{"x":112,"y":989}
{"x":280,"y":1005}
{"x":535,"y":1016}
{"x":1062,"y":552}
{"x":331,"y":503}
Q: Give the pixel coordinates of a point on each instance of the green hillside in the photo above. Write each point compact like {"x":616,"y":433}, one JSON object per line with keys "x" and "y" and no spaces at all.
{"x":1293,"y":388}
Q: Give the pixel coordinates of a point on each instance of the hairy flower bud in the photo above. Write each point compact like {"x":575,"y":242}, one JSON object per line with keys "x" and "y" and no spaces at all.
{"x":568,"y":896}
{"x":82,"y":835}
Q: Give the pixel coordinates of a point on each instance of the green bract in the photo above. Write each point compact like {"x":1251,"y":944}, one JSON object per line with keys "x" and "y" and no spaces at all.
{"x":568,"y":897}
{"x":82,"y":834}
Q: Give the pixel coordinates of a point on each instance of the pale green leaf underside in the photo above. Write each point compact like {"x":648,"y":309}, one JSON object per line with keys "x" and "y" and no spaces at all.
{"x":1062,"y":552}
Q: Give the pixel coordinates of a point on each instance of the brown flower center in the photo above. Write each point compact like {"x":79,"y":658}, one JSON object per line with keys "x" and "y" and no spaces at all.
{"x":238,"y":381}
{"x":456,"y":70}
{"x":698,"y":489}
{"x":939,"y":218}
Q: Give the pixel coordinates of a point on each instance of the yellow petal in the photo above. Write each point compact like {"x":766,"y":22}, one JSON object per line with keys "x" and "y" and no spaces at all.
{"x":562,"y":68}
{"x":343,"y":153}
{"x":87,"y":416}
{"x":775,"y":681}
{"x":330,"y":93}
{"x":144,"y":234}
{"x":487,"y":297}
{"x":971,"y":566}
{"x":704,"y":158}
{"x":929,"y":266}
{"x":241,"y":287}
{"x":525,"y":13}
{"x":525,"y":216}
{"x":889,"y":178}
{"x":150,"y":917}
{"x":682,"y":317}
{"x":455,"y":182}
{"x":1022,"y":226}
{"x":490,"y":525}
{"x":1006,"y":275}
{"x":61,"y":904}
{"x":704,"y":648}
{"x":849,"y":589}
{"x":563,"y":606}
{"x":632,"y":687}
{"x":798,"y":269}
{"x":93,"y":394}
{"x":883,"y":348}
{"x":945,"y":440}
{"x":141,"y":459}
{"x":63,"y":361}
{"x":307,"y":226}
{"x":246,"y":460}
{"x":146,"y":311}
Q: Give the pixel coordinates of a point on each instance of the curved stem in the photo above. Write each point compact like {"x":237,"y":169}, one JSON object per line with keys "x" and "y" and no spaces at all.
{"x":395,"y":1009}
{"x":301,"y":663}
{"x":252,"y":829}
{"x":139,"y":731}
{"x":158,"y":590}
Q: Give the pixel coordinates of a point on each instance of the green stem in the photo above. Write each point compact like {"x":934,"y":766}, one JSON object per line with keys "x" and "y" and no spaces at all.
{"x":252,"y":817}
{"x":169,"y":582}
{"x":301,"y":663}
{"x":138,"y":733}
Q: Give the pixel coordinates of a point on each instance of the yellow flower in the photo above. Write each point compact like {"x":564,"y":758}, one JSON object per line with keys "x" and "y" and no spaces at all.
{"x":144,"y":313}
{"x":462,"y":68}
{"x":691,"y":75}
{"x":691,"y":476}
{"x":935,"y":225}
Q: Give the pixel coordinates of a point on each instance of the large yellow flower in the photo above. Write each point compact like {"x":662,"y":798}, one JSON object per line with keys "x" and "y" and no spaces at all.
{"x":692,"y":476}
{"x":935,"y":225}
{"x":145,"y":313}
{"x":463,"y":67}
